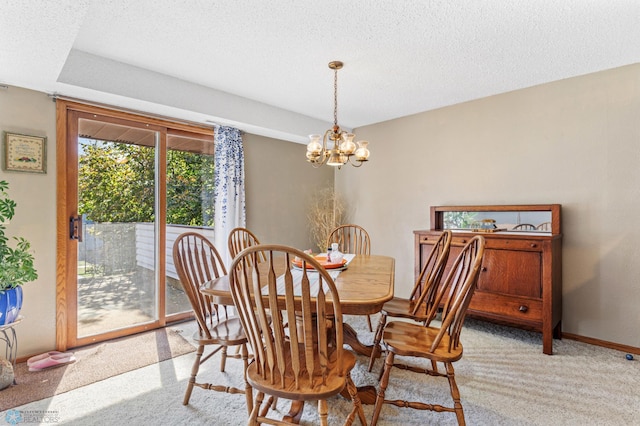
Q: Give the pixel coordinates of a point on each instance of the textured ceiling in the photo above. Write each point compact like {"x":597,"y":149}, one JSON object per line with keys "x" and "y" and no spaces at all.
{"x":252,"y":63}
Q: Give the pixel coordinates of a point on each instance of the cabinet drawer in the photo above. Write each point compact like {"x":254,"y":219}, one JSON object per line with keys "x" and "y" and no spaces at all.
{"x":461,"y":240}
{"x":497,"y":243}
{"x":429,"y":238}
{"x":512,"y":244}
{"x":491,"y":242}
{"x":507,"y":307}
{"x":455,"y":240}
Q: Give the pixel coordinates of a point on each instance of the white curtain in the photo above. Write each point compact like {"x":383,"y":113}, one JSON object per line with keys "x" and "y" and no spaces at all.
{"x":229,"y":203}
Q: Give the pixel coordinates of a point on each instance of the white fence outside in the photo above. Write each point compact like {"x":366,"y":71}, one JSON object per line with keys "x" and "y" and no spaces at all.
{"x":115,"y":248}
{"x":145,"y":238}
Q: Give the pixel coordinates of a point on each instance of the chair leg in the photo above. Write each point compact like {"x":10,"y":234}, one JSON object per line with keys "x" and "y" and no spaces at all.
{"x":384,"y":381}
{"x":194,"y":373}
{"x":369,"y":322}
{"x":253,"y":418}
{"x":382,"y":367}
{"x":357,"y":404}
{"x":223,"y":359}
{"x":455,"y":394}
{"x":375,"y":351}
{"x":248,"y":390}
{"x":267,"y":406}
{"x":323,"y":411}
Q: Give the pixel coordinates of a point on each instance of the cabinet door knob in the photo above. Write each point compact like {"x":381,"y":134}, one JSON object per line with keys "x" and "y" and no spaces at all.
{"x":523,"y":308}
{"x":484,"y":269}
{"x":534,"y":245}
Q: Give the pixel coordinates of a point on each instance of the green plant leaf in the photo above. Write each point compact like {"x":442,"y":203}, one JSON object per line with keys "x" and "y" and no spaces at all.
{"x":16,"y":264}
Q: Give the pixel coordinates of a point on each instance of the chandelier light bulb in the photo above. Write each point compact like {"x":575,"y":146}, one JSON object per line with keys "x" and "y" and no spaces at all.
{"x":362,"y":153}
{"x":314,"y":146}
{"x":347,"y":146}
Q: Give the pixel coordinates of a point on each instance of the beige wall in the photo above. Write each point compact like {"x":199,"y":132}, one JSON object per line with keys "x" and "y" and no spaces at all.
{"x":279,"y":187}
{"x":33,"y":113}
{"x":575,"y":142}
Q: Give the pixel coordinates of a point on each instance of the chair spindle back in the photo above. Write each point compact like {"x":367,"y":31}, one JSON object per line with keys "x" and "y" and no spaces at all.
{"x":456,"y":291}
{"x":197,"y":261}
{"x":351,"y":239}
{"x":270,"y":295}
{"x":429,"y":280}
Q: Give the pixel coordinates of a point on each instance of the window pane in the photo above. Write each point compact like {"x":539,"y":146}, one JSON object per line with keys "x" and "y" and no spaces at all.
{"x":117,"y":285}
{"x":189,"y":202}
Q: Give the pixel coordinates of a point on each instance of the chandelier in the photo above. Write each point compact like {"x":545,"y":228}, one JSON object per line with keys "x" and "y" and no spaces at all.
{"x":336,"y":147}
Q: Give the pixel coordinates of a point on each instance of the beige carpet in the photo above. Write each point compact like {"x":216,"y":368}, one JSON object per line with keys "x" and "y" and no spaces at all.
{"x":94,"y":363}
{"x":504,"y":380}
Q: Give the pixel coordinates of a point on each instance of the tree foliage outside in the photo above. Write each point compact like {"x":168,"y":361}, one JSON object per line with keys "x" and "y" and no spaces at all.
{"x":458,"y":220}
{"x":190,"y":186}
{"x":117,"y":184}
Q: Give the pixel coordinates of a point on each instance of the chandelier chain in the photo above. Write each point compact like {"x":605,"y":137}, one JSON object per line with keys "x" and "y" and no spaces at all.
{"x":335,"y":97}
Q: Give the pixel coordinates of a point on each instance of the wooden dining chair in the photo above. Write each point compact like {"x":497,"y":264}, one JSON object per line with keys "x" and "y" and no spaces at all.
{"x":303,"y":363}
{"x":352,"y":239}
{"x":524,"y":227}
{"x":197,"y":261}
{"x":437,"y":344}
{"x":418,"y":307}
{"x":239,"y":239}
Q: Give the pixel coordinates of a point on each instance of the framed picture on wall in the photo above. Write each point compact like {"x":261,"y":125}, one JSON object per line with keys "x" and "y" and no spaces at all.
{"x":23,"y":153}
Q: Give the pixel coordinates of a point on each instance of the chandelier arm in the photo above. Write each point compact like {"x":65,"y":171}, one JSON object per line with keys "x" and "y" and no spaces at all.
{"x":353,"y":163}
{"x":325,"y":144}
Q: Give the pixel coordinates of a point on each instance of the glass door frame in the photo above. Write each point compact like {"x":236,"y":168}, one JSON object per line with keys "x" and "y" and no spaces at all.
{"x":68,"y":113}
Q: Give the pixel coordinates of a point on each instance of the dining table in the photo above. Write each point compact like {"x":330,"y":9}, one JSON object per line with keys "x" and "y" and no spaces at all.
{"x":364,"y":286}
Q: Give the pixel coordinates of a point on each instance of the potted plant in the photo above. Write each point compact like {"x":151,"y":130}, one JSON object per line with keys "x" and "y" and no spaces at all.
{"x":16,"y":264}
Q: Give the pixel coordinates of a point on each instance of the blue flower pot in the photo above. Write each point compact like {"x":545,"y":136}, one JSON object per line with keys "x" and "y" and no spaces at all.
{"x":10,"y":305}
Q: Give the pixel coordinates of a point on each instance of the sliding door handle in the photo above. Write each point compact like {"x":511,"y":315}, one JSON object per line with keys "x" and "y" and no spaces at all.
{"x":75,"y":228}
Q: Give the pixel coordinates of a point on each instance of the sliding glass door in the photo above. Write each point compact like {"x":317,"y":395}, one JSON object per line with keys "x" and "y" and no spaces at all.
{"x":132,"y":186}
{"x":117,"y":281}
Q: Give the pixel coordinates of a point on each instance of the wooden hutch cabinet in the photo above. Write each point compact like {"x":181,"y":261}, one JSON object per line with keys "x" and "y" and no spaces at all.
{"x":520,"y":283}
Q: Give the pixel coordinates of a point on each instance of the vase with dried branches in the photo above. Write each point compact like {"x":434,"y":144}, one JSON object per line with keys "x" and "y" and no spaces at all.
{"x":326,"y":211}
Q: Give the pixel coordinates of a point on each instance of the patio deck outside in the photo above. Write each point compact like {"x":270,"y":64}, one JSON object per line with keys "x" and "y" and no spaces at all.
{"x":116,"y":276}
